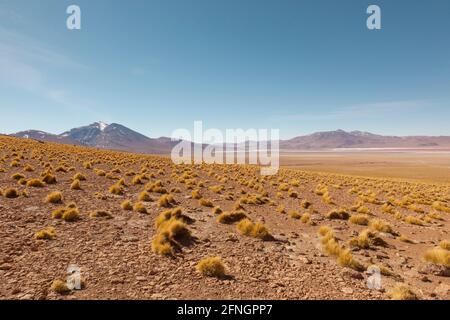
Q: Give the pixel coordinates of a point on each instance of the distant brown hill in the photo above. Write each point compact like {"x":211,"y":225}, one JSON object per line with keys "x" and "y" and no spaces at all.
{"x":118,"y":137}
{"x":357,"y":139}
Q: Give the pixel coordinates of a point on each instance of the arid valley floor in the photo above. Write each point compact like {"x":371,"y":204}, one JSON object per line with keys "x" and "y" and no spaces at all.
{"x":140,"y":227}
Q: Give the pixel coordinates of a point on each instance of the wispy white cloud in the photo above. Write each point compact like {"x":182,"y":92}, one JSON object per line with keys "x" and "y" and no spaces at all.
{"x":358,"y":111}
{"x":24,"y":64}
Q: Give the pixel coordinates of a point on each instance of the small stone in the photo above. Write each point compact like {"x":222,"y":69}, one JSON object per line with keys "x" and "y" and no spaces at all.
{"x":347,"y":290}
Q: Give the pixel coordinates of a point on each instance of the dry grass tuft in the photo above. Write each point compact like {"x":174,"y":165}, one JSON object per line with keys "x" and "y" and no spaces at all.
{"x":258,"y":230}
{"x":71,"y":215}
{"x":217,"y":210}
{"x":101,"y":214}
{"x":306,"y":218}
{"x":139,"y":207}
{"x":54,"y":197}
{"x":381,"y":226}
{"x":333,"y":248}
{"x":206,"y":203}
{"x":145,"y":196}
{"x":49,"y":179}
{"x":414,"y":221}
{"x":17,"y":176}
{"x":60,"y":287}
{"x":126,"y":205}
{"x":359,"y":219}
{"x":75,"y":185}
{"x":196,"y":194}
{"x":46,"y":234}
{"x":35,"y":183}
{"x":166,"y":201}
{"x":116,"y":189}
{"x":305,"y":204}
{"x":340,"y":214}
{"x":231,"y":217}
{"x":11,"y":193}
{"x":438,"y":256}
{"x":402,"y":292}
{"x":445,"y":244}
{"x":211,"y":267}
{"x":367,"y":239}
{"x":294,"y":214}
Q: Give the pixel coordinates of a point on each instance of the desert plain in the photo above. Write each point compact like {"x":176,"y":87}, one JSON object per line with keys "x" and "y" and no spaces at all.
{"x":327,"y":226}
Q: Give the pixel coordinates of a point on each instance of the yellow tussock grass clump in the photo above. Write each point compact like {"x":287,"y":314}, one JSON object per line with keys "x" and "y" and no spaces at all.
{"x":169,"y":214}
{"x":292,"y":193}
{"x":145,"y":196}
{"x":75,"y":185}
{"x":100,"y":173}
{"x":445,"y":244}
{"x":196,"y":194}
{"x":206,"y":203}
{"x":35,"y":183}
{"x":87,"y":165}
{"x":100,"y":214}
{"x":161,"y":245}
{"x":439,"y":206}
{"x":359,"y":219}
{"x":414,"y":220}
{"x":231,"y":217}
{"x":438,"y":256}
{"x":166,"y":201}
{"x":139,"y":207}
{"x":256,"y":230}
{"x":402,"y":292}
{"x":172,"y":233}
{"x":137,"y":180}
{"x":338,"y":214}
{"x":60,"y":287}
{"x":54,"y":197}
{"x":367,"y":239}
{"x":281,"y":209}
{"x":116,"y":189}
{"x":381,"y":226}
{"x":71,"y":215}
{"x":17,"y":176}
{"x":305,"y":204}
{"x":294,"y":214}
{"x":333,"y":248}
{"x":346,"y":259}
{"x":49,"y":179}
{"x":306,"y":218}
{"x":10,"y":193}
{"x":217,"y":210}
{"x":46,"y":234}
{"x":211,"y":267}
{"x":126,"y":205}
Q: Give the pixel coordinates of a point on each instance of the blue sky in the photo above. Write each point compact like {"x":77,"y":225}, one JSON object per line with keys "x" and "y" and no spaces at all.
{"x":155,"y":66}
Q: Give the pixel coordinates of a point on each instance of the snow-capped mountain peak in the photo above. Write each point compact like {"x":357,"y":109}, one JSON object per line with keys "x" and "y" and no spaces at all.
{"x":102,"y":125}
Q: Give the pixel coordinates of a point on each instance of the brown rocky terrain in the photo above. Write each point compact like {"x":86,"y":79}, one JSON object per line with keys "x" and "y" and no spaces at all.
{"x":152,"y":253}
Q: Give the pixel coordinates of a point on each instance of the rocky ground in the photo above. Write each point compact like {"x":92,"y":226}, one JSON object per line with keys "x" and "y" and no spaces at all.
{"x":115,"y":255}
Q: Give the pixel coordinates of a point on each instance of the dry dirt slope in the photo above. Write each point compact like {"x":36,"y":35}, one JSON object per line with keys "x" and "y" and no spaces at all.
{"x":403,"y":228}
